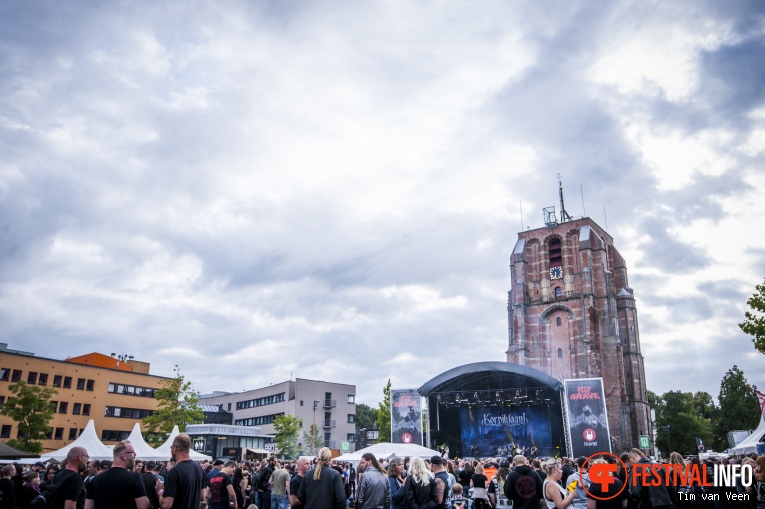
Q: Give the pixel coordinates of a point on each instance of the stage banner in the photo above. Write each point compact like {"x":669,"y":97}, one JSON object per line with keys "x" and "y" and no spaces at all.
{"x":406,"y":416}
{"x":498,"y":431}
{"x":586,"y":415}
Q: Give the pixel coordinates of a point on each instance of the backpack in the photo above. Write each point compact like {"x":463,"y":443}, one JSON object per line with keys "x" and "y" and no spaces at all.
{"x":459,"y":504}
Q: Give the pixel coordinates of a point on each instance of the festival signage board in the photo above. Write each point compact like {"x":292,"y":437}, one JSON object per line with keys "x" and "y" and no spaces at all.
{"x":406,"y":416}
{"x":586,"y":416}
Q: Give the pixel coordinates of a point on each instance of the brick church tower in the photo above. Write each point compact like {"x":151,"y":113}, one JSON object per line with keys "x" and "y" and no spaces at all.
{"x":571,"y":314}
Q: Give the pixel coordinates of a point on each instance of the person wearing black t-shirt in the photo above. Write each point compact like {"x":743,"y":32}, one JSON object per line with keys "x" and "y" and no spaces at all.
{"x":7,"y":489}
{"x":222,"y":495}
{"x":70,"y":490}
{"x":301,"y":467}
{"x":118,"y":487}
{"x":617,"y":497}
{"x":185,"y":483}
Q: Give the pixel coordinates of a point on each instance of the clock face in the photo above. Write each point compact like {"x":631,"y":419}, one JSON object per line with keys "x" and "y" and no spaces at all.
{"x":556,"y":272}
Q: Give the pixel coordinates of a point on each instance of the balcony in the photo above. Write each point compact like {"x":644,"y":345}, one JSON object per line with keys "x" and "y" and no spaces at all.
{"x":329,"y":423}
{"x":330,"y":403}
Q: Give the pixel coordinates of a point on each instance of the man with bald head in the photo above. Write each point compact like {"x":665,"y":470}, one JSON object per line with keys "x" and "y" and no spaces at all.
{"x":70,"y":490}
{"x":185,"y":483}
{"x":118,"y":487}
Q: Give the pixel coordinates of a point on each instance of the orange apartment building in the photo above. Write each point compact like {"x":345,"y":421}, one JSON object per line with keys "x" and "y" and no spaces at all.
{"x":114,"y":391}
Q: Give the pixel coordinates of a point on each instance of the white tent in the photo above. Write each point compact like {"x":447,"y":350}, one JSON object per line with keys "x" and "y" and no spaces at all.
{"x":749,"y":444}
{"x":144,"y":451}
{"x":164,"y":449}
{"x":386,"y":450}
{"x":90,"y":441}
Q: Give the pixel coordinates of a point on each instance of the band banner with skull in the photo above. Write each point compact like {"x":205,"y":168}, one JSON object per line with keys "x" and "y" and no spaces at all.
{"x":406,"y":416}
{"x":587,"y":419}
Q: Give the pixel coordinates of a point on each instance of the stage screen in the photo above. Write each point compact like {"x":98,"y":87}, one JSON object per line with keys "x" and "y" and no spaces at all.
{"x":490,"y":428}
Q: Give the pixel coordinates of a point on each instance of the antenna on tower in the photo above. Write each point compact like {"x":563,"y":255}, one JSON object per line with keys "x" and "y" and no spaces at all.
{"x":563,"y":214}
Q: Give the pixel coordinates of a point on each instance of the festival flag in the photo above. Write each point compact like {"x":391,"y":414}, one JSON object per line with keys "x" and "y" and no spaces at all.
{"x":700,"y":445}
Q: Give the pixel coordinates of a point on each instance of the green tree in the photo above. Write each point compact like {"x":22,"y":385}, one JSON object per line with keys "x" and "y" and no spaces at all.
{"x":739,"y":408}
{"x":30,"y":408}
{"x":366,"y":416}
{"x":286,"y":429}
{"x":678,"y":423}
{"x":312,"y":440}
{"x":704,"y":405}
{"x":383,"y":416}
{"x":178,"y":404}
{"x":754,"y":325}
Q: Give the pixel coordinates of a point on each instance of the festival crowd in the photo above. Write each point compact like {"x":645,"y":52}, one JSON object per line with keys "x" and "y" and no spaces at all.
{"x":523,"y":482}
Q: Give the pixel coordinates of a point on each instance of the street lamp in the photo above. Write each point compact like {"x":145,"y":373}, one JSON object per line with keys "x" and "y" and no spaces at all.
{"x":313,"y":437}
{"x":669,"y":445}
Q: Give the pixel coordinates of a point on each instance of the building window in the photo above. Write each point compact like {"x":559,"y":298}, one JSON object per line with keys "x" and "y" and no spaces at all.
{"x":228,"y":407}
{"x":5,"y":432}
{"x":257,"y":421}
{"x":80,"y":384}
{"x":19,"y":433}
{"x":2,"y":400}
{"x":16,"y":376}
{"x":267,"y":400}
{"x":43,"y":380}
{"x":557,"y":321}
{"x":59,"y":435}
{"x":301,"y":402}
{"x":32,"y":378}
{"x":86,"y":409}
{"x":56,"y":380}
{"x":72,"y":433}
{"x":114,"y":436}
{"x":54,"y":406}
{"x":351,"y":437}
{"x":67,"y":382}
{"x":89,"y":386}
{"x":4,"y":374}
{"x":352,"y":399}
{"x":49,"y":434}
{"x":130,"y":390}
{"x":558,"y":292}
{"x":129,"y":413}
{"x":76,"y":409}
{"x":351,"y":418}
{"x":62,"y":407}
{"x":560,"y":353}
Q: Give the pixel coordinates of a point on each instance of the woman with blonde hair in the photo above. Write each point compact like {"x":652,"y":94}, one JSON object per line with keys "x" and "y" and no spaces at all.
{"x":478,"y":483}
{"x":419,"y":487}
{"x":555,"y":496}
{"x":322,"y":487}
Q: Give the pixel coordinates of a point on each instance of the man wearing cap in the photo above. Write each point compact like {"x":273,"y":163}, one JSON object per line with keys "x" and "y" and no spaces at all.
{"x":441,"y":480}
{"x":118,"y":487}
{"x":38,"y":467}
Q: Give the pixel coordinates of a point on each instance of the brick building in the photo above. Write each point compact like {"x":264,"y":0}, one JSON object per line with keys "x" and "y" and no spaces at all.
{"x":571,"y":314}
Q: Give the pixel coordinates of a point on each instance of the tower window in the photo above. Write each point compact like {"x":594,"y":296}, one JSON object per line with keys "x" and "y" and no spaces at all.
{"x":556,"y":253}
{"x":557,"y":319}
{"x":558,"y":293}
{"x":560,"y":350}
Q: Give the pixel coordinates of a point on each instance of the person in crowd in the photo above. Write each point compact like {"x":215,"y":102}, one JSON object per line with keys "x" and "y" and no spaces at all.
{"x":70,"y":489}
{"x":396,"y":481}
{"x":322,"y":487}
{"x":441,"y":478}
{"x":478,"y":482}
{"x":374,"y":489}
{"x":280,"y":479}
{"x":7,"y":489}
{"x":615,"y":497}
{"x":497,"y":486}
{"x":419,"y":487}
{"x":578,"y":482}
{"x":185,"y":482}
{"x":221,"y":487}
{"x":555,"y":495}
{"x":458,"y":500}
{"x":644,"y":486}
{"x":523,"y":486}
{"x":302,"y":465}
{"x":149,"y":479}
{"x":120,"y":486}
{"x":29,"y":490}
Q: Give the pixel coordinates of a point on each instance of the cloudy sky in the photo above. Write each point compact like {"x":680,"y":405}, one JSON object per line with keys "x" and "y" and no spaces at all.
{"x":331,"y":190}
